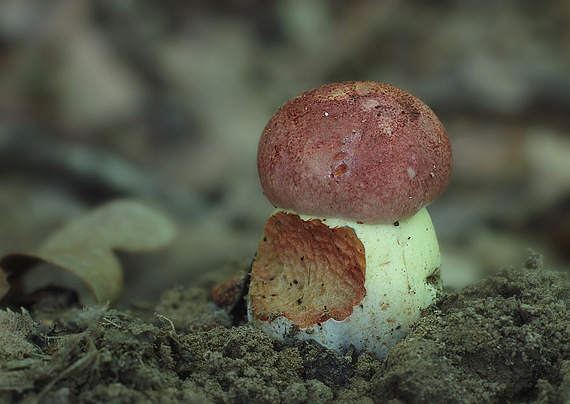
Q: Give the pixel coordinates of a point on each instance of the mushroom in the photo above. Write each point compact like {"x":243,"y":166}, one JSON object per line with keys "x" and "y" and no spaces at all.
{"x":349,"y":257}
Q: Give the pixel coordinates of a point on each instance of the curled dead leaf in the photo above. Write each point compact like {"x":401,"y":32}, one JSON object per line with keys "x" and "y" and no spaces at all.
{"x":85,"y":247}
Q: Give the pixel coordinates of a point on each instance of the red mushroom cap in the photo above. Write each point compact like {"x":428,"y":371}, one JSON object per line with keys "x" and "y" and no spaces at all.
{"x":364,"y":151}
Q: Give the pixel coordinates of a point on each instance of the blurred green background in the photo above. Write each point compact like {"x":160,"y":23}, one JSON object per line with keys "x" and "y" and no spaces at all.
{"x":165,"y":101}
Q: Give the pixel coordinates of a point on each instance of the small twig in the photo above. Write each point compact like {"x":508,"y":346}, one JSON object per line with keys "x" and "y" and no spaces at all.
{"x":85,"y":360}
{"x":167,"y":319}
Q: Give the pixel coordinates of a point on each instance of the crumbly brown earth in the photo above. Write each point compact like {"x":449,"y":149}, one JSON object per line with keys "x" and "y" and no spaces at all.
{"x":505,"y":339}
{"x":306,"y":271}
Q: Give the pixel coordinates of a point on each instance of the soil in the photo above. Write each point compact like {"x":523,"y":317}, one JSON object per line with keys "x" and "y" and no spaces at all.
{"x":505,"y":339}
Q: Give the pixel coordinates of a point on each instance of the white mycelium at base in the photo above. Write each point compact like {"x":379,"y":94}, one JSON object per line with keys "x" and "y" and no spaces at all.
{"x":402,"y":278}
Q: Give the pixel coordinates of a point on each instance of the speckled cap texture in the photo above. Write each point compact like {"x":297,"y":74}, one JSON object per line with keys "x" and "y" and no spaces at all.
{"x":364,"y":151}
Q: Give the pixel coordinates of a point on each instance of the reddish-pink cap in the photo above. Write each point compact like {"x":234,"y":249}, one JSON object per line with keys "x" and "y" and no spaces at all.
{"x":364,"y":151}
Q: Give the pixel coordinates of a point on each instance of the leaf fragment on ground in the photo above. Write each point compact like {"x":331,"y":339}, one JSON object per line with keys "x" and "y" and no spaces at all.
{"x":85,"y":247}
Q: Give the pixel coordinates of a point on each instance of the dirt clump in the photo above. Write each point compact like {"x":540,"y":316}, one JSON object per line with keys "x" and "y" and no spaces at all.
{"x":502,"y":340}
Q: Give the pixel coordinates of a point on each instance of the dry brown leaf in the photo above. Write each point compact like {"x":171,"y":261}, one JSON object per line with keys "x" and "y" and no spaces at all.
{"x":85,"y":247}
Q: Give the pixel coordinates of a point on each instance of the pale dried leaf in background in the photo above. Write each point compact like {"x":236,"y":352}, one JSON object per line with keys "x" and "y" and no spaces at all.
{"x":85,"y":246}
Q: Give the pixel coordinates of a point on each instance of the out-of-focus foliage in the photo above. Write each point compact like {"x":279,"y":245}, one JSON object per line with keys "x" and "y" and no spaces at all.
{"x":166,"y":101}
